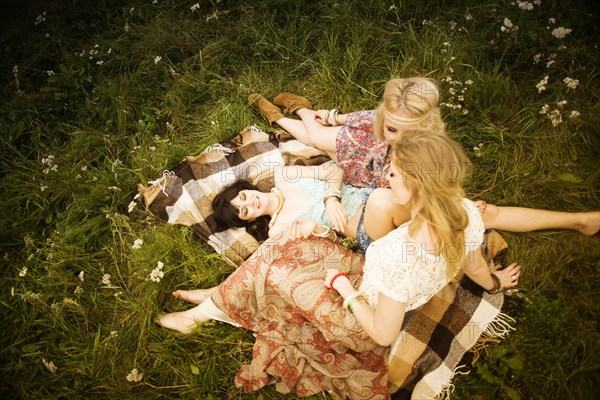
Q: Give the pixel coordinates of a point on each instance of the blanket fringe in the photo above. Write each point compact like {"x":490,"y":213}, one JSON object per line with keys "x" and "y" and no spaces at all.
{"x":494,"y":332}
{"x":218,"y":147}
{"x":448,"y":389}
{"x":161,"y":182}
{"x":500,"y":327}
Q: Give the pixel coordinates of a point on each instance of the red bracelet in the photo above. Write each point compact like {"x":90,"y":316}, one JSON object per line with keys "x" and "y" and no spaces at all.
{"x":335,"y":277}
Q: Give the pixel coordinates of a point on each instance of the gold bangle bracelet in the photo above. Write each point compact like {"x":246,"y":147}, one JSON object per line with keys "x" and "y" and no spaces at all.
{"x":350,"y":298}
{"x":355,"y":303}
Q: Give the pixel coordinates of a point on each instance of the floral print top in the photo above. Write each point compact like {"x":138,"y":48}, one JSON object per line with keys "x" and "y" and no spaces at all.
{"x":360,"y":154}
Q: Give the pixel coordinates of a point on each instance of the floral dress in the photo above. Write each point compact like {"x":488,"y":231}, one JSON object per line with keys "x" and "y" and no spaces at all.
{"x":360,"y":154}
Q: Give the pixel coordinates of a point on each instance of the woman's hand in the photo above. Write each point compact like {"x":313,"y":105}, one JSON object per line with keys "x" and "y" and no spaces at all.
{"x":340,"y":280}
{"x":302,"y":228}
{"x":337,"y":216}
{"x":509,"y":276}
{"x":320,"y":117}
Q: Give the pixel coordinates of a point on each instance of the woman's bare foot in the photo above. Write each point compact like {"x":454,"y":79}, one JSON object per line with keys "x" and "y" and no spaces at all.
{"x":590,"y":223}
{"x":195,"y":296}
{"x":178,"y":321}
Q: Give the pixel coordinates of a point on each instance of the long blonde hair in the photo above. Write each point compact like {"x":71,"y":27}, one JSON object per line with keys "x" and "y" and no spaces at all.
{"x":414,"y":98}
{"x":436,"y":167}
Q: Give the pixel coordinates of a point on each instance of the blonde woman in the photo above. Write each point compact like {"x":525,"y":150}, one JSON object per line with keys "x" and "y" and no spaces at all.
{"x":360,"y":143}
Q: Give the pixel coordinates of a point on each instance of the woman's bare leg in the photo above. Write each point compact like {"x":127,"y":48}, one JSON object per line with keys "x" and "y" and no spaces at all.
{"x":319,"y":136}
{"x":185,"y":321}
{"x":521,"y":219}
{"x":195,"y":296}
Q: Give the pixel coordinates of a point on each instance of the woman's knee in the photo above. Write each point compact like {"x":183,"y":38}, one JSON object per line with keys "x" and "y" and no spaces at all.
{"x":489,"y":214}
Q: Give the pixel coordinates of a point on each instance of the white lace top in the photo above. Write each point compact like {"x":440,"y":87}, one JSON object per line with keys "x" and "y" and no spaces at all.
{"x":405,"y":271}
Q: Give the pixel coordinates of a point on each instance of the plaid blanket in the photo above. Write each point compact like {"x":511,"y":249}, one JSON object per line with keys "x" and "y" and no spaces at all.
{"x":434,"y":337}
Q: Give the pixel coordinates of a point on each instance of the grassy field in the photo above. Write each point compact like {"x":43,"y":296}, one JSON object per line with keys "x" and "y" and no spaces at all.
{"x":100,"y":96}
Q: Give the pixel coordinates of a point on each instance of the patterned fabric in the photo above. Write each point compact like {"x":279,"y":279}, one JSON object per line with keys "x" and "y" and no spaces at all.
{"x":360,"y":154}
{"x":184,"y":195}
{"x":306,"y":342}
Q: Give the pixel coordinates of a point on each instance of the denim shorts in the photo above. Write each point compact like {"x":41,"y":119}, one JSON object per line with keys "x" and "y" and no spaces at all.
{"x":363,"y":239}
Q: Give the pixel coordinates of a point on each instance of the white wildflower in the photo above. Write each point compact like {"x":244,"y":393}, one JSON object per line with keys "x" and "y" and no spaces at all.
{"x":114,"y":334}
{"x":170,"y":126}
{"x":99,"y":62}
{"x":468,"y":17}
{"x":508,"y":23}
{"x":549,"y":63}
{"x":40,"y":18}
{"x":131,"y":206}
{"x":477,"y":149}
{"x":561,"y":103}
{"x":49,"y":365}
{"x":126,"y":26}
{"x":551,"y":21}
{"x":574,"y":114}
{"x":541,"y":85}
{"x":214,"y":15}
{"x":135,"y":376}
{"x":468,"y":82}
{"x":157,"y":59}
{"x":525,"y":5}
{"x":117,"y":294}
{"x":78,"y":290}
{"x":137,"y":244}
{"x":106,"y":279}
{"x":555,"y":117}
{"x":15,"y":71}
{"x":152,"y":148}
{"x":50,"y":72}
{"x":571,"y":83}
{"x":30,"y":296}
{"x":544,"y":109}
{"x":157,"y":273}
{"x":537,"y":57}
{"x":80,"y":276}
{"x":537,"y":2}
{"x":43,"y":187}
{"x":392,"y":7}
{"x":23,"y":272}
{"x":560,"y":32}
{"x":131,"y":10}
{"x":12,"y":291}
{"x":114,"y":188}
{"x":195,"y":7}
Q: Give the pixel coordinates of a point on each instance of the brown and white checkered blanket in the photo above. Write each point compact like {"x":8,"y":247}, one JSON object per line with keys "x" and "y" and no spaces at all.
{"x":434,"y":337}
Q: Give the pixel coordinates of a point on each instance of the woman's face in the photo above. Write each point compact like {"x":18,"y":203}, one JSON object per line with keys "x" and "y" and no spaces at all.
{"x":251,"y":204}
{"x":392,"y":129}
{"x":398,"y":184}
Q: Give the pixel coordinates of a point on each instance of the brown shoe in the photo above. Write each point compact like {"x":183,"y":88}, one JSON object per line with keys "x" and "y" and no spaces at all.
{"x":268,"y":110}
{"x":291,"y":102}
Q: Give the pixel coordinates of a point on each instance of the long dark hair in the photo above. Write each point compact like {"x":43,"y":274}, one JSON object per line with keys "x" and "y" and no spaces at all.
{"x":227,"y":215}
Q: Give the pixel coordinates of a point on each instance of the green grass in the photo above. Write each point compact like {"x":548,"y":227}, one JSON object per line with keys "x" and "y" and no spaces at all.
{"x":114,"y":117}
